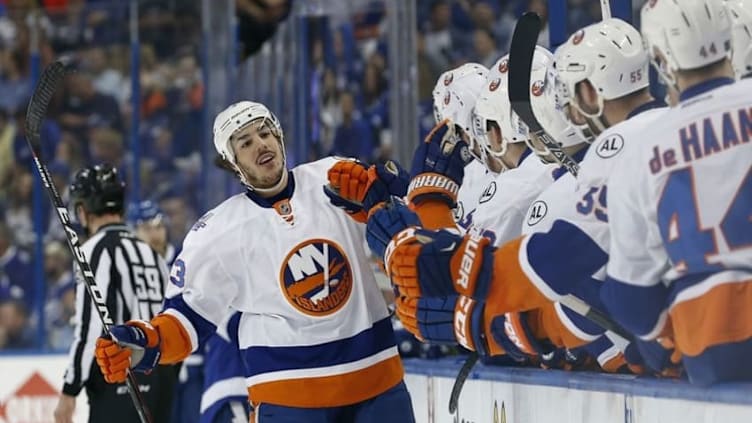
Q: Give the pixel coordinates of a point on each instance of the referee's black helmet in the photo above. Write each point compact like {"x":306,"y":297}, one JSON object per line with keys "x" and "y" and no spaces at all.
{"x":99,"y":189}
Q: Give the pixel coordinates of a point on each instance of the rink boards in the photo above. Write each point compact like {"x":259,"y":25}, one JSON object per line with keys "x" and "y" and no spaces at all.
{"x":29,"y":385}
{"x":515,"y":395}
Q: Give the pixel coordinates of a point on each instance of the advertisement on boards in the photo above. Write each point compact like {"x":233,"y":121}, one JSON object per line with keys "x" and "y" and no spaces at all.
{"x":30,"y":388}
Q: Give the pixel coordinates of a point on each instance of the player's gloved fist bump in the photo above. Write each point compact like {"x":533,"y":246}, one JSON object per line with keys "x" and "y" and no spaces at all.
{"x":357,"y":188}
{"x":439,"y":166}
{"x":347,"y":183}
{"x":387,"y":221}
{"x":444,"y":320}
{"x":134,"y":344}
{"x":423,"y":263}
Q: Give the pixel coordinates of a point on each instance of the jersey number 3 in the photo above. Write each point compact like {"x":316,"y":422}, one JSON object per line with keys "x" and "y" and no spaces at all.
{"x":687,"y":243}
{"x":594,"y":201}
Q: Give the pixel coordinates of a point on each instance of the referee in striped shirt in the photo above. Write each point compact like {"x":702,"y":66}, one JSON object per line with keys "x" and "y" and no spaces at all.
{"x":132,"y":277}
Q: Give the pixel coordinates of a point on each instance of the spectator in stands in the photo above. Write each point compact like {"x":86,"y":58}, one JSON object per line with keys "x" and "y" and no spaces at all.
{"x":180,"y":216}
{"x":150,"y":225}
{"x":157,"y":26}
{"x":15,"y":264}
{"x":61,"y":300}
{"x":61,"y":308}
{"x":484,"y":45}
{"x":330,"y":112}
{"x":354,"y":137}
{"x":541,"y":8}
{"x":15,"y":83}
{"x":375,"y":96}
{"x":69,"y":151}
{"x":105,"y":78}
{"x":486,"y":15}
{"x":7,"y":135}
{"x":440,"y":45}
{"x":347,"y":65}
{"x":85,"y":108}
{"x":19,"y":206}
{"x":106,"y":145}
{"x":185,"y":99}
{"x":78,"y":23}
{"x":428,"y":71}
{"x":57,"y":266}
{"x":15,"y":330}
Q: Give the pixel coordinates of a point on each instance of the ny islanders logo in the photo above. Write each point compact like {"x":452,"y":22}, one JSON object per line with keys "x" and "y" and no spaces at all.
{"x":316,"y":277}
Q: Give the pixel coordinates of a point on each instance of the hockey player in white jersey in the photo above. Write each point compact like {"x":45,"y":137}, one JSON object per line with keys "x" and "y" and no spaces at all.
{"x":433,"y":319}
{"x":454,"y":98}
{"x":740,"y":13}
{"x":680,"y":268}
{"x":521,"y":176}
{"x":531,"y":271}
{"x":314,"y":329}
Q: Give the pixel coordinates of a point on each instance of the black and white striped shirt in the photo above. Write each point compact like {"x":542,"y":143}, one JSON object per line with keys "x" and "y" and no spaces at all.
{"x":131,"y":276}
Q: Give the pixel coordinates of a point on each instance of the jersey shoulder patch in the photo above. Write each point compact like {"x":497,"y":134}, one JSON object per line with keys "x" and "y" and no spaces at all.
{"x":609,"y":146}
{"x":488,"y":193}
{"x":536,"y":213}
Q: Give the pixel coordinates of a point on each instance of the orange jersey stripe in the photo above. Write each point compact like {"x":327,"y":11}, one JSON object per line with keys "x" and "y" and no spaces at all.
{"x":511,"y":290}
{"x":330,"y":391}
{"x":175,"y":342}
{"x":720,"y":316}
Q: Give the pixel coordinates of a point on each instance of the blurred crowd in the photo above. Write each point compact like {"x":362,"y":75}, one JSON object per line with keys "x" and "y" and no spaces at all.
{"x":90,"y":120}
{"x":349,"y":82}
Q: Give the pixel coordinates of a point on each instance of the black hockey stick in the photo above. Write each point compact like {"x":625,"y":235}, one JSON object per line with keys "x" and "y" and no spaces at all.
{"x":51,"y":77}
{"x":521,"y":53}
{"x":459,"y":381}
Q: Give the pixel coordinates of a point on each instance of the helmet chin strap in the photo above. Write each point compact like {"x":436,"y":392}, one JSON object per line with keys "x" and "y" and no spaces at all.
{"x":596,"y":121}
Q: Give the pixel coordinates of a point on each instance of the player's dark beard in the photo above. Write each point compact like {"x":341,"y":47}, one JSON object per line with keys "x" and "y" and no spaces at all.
{"x":267,"y":181}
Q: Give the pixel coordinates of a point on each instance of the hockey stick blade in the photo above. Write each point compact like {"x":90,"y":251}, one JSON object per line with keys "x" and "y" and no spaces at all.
{"x":459,"y":381}
{"x":521,"y":54}
{"x":51,"y":77}
{"x":48,"y":82}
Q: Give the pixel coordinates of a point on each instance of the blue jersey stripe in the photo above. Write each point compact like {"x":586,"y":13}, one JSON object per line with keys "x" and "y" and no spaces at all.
{"x":637,"y":308}
{"x":366,"y":343}
{"x":203,"y":327}
{"x":565,"y":258}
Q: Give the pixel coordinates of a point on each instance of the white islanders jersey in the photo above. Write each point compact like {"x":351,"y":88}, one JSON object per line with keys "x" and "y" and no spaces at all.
{"x":314,"y":329}
{"x":505,"y":200}
{"x":567,"y":249}
{"x":476,"y":179}
{"x":680,"y":216}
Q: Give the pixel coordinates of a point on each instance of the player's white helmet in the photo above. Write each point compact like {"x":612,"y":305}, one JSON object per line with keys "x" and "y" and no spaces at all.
{"x":610,"y":55}
{"x":688,"y":34}
{"x":236,"y":117}
{"x":740,"y":13}
{"x":493,"y":107}
{"x":548,"y":100}
{"x":454,"y":97}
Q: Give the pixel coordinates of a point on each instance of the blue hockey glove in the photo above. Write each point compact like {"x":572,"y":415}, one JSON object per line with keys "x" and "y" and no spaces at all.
{"x":424,"y":263}
{"x":385,"y":222}
{"x":439,"y":166}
